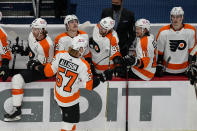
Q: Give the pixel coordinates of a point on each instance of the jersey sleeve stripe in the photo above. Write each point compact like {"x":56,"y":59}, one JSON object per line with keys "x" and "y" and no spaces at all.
{"x":45,"y":46}
{"x":103,"y":67}
{"x":48,"y":71}
{"x":3,"y":38}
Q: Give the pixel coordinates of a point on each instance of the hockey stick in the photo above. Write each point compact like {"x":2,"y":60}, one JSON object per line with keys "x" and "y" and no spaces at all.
{"x":195,"y":87}
{"x":14,"y":36}
{"x":166,"y":65}
{"x":127,"y":99}
{"x":106,"y":111}
{"x":192,"y":53}
{"x":34,"y":7}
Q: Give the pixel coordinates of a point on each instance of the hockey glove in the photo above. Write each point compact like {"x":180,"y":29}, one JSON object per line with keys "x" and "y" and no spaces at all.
{"x":89,"y":60}
{"x":106,"y":75}
{"x":120,"y":71}
{"x":159,"y":70}
{"x":17,"y":49}
{"x":192,"y":73}
{"x":130,"y":60}
{"x":32,"y":64}
{"x":4,"y":70}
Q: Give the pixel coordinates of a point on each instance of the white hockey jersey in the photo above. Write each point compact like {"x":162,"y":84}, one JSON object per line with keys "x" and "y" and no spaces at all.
{"x":41,"y":50}
{"x":4,"y":48}
{"x":147,"y":52}
{"x":72,"y":74}
{"x":177,"y":45}
{"x":63,"y":41}
{"x":104,"y":49}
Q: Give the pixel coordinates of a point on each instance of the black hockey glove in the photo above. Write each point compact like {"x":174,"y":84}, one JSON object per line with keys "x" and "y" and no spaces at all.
{"x":32,"y":64}
{"x":119,"y":67}
{"x":159,"y":70}
{"x":192,"y":73}
{"x":120,"y":71}
{"x":4,"y":70}
{"x":17,"y":49}
{"x":130,"y":60}
{"x":106,"y":75}
{"x":89,"y":60}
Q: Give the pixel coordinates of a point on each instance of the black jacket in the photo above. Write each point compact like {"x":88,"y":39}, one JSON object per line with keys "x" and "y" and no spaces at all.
{"x":125,"y":28}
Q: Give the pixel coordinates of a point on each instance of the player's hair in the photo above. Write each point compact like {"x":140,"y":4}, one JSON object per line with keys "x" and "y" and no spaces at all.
{"x":44,"y":32}
{"x":147,"y":33}
{"x":72,"y":52}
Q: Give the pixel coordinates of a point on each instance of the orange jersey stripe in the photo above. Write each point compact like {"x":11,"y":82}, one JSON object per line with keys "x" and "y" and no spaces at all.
{"x":89,"y":84}
{"x":60,"y":36}
{"x":144,"y":45}
{"x":167,"y":27}
{"x":74,"y":128}
{"x":67,"y":99}
{"x":3,"y":39}
{"x":146,"y":61}
{"x":144,"y":72}
{"x":45,"y":46}
{"x":116,"y":54}
{"x":88,"y":55}
{"x":103,"y":67}
{"x":160,"y":53}
{"x":17,"y":91}
{"x":81,"y":32}
{"x":177,"y":66}
{"x":48,"y":70}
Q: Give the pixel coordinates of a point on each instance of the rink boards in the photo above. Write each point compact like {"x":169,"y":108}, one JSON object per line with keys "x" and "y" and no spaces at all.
{"x":153,"y":105}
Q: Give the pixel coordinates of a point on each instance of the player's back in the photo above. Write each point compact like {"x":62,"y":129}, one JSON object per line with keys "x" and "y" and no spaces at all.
{"x":71,"y":75}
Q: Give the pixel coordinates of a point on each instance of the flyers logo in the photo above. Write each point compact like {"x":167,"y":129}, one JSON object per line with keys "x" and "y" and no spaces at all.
{"x":177,"y":44}
{"x":94,"y":45}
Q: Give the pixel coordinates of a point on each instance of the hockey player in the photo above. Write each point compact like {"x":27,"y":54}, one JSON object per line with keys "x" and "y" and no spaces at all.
{"x":64,"y":40}
{"x":104,"y":47}
{"x":175,"y":40}
{"x":5,"y":55}
{"x":41,"y":52}
{"x":72,"y":73}
{"x":143,"y":65}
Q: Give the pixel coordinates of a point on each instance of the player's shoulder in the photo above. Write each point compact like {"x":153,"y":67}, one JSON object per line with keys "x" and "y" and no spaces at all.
{"x":61,"y":35}
{"x":85,"y":63}
{"x":164,"y":28}
{"x":188,"y":26}
{"x":2,"y":32}
{"x":82,"y":32}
